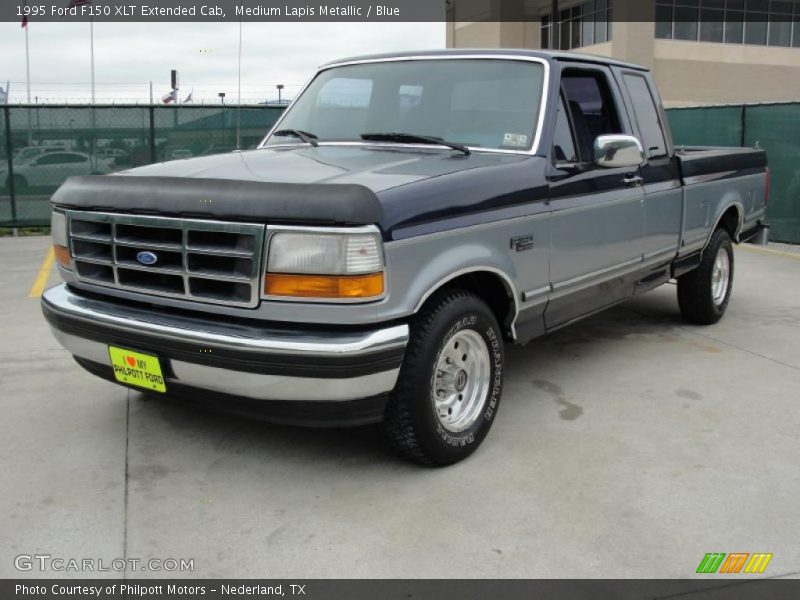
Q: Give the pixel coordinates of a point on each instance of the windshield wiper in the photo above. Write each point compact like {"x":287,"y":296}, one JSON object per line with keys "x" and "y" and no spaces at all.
{"x":308,"y":138}
{"x":412,"y":138}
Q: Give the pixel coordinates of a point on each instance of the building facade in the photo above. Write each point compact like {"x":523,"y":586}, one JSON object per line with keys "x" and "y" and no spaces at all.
{"x":701,"y":52}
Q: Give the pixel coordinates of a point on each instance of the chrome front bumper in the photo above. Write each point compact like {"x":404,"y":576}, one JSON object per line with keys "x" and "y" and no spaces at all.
{"x":245,"y":359}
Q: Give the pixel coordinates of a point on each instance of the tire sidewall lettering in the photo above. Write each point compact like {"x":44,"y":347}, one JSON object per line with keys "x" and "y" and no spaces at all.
{"x":494,"y":343}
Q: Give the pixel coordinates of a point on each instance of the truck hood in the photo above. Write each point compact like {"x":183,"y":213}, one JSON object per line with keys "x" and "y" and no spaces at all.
{"x":395,"y":187}
{"x":376,"y":168}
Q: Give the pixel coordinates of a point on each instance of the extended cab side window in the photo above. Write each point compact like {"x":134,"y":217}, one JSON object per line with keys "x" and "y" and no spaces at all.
{"x":646,"y":114}
{"x":591,"y":106}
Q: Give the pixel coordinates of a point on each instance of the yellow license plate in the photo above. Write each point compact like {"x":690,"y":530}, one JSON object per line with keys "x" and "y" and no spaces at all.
{"x":136,"y":368}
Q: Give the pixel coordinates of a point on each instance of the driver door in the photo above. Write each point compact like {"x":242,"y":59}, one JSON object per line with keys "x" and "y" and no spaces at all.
{"x":598,"y":213}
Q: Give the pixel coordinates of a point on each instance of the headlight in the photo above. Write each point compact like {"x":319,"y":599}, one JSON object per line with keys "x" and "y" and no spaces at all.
{"x":58,"y":229}
{"x":325,"y":264}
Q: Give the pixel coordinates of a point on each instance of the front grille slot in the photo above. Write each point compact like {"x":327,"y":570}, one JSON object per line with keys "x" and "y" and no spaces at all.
{"x":92,"y":230}
{"x":223,"y":266}
{"x":159,"y":236}
{"x":95,"y":273}
{"x":205,"y":261}
{"x":93,"y":251}
{"x":235,"y":243}
{"x":146,"y":280}
{"x":218,"y":290}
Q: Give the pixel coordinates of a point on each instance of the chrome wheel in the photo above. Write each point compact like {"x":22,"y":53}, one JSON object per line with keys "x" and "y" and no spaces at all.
{"x":720,"y":277}
{"x":461,"y":382}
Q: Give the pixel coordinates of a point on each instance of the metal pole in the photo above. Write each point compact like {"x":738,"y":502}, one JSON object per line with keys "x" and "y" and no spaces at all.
{"x":222,"y":118}
{"x":27,"y":66}
{"x":94,"y":117}
{"x":239,"y":100}
{"x":28,"y":82}
{"x":151,"y":92}
{"x":744,"y":125}
{"x":555,"y":26}
{"x":9,"y":153}
{"x":152,"y":133}
{"x":91,"y":51}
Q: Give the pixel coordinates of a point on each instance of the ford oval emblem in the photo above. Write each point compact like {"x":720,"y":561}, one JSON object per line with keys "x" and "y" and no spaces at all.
{"x":147,"y":258}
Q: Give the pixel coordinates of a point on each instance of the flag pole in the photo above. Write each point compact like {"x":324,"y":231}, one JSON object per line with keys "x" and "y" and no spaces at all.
{"x":239,"y":101}
{"x":28,"y":81}
{"x":27,"y":66}
{"x":91,"y":51}
{"x":94,"y":117}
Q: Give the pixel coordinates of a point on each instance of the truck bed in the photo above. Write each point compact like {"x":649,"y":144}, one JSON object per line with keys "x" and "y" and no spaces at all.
{"x":706,"y":161}
{"x":717,"y":180}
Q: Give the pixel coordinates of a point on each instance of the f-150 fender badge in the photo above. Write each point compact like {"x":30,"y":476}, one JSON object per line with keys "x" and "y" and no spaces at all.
{"x":522,"y":243}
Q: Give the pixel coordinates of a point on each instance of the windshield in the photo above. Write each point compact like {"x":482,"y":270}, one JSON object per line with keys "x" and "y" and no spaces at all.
{"x":482,"y":103}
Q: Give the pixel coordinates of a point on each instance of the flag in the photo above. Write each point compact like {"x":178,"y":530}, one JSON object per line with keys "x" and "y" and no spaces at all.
{"x":24,"y":21}
{"x":168,"y":98}
{"x":188,"y":98}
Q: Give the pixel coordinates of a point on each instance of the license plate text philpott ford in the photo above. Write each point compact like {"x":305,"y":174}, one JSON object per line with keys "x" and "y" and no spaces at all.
{"x":135,"y":368}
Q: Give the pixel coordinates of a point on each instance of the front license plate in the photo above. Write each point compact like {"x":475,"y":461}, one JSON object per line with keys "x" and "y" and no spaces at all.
{"x":136,"y":368}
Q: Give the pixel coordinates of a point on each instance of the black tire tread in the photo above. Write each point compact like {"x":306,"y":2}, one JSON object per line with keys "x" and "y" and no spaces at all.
{"x":694,"y":298}
{"x":398,"y":427}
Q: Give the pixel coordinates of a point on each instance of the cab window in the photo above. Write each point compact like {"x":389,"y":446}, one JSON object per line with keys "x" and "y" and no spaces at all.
{"x":591,"y":107}
{"x":563,"y":139}
{"x":646,"y":114}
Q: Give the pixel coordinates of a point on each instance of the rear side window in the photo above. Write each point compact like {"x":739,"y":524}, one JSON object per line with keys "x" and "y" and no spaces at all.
{"x":646,"y":114}
{"x":591,"y":106}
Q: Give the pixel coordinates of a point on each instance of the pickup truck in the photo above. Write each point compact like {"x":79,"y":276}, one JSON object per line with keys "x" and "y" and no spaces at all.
{"x":406,"y":217}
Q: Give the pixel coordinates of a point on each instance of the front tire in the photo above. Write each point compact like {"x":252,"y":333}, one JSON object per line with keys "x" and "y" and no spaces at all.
{"x":704,"y":294}
{"x":451,"y":381}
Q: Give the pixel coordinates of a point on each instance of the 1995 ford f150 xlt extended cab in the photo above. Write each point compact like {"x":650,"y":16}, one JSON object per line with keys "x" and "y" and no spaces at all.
{"x":407,"y":217}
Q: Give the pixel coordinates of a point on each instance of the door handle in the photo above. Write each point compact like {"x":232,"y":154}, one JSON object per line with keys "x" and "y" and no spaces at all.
{"x":635,"y":181}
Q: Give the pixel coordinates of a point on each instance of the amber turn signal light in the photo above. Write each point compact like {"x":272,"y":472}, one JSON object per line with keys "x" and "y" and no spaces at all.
{"x":62,"y":256}
{"x":324,"y":286}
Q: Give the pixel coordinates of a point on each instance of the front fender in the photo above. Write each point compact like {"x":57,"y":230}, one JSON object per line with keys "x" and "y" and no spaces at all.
{"x":418,"y":267}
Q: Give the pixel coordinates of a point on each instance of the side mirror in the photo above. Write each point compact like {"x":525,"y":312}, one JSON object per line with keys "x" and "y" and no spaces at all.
{"x":614,"y":151}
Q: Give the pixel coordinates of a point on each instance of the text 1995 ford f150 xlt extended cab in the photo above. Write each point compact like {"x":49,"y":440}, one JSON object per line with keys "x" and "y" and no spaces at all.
{"x":406,"y":217}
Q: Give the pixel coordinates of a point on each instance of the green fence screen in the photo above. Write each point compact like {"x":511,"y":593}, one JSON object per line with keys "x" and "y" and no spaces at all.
{"x":774,"y":127}
{"x":47,"y":144}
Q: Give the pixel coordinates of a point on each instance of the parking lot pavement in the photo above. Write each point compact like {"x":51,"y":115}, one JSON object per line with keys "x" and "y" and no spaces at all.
{"x":628,"y":445}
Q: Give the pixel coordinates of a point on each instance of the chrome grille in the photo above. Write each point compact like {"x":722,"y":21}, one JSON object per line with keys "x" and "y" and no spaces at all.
{"x":205,"y":261}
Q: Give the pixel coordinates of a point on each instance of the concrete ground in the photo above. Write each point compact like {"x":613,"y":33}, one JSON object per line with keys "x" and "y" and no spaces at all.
{"x":628,"y":445}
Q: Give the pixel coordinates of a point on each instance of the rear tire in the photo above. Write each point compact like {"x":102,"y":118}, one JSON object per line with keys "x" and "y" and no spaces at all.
{"x":451,"y":381}
{"x":704,"y":294}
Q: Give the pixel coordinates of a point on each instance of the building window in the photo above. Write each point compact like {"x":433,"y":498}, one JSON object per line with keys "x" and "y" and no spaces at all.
{"x":585,"y":24}
{"x":757,"y":22}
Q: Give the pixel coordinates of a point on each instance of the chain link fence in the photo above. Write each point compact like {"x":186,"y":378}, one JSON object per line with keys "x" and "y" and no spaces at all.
{"x":41,"y":146}
{"x":774,"y":127}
